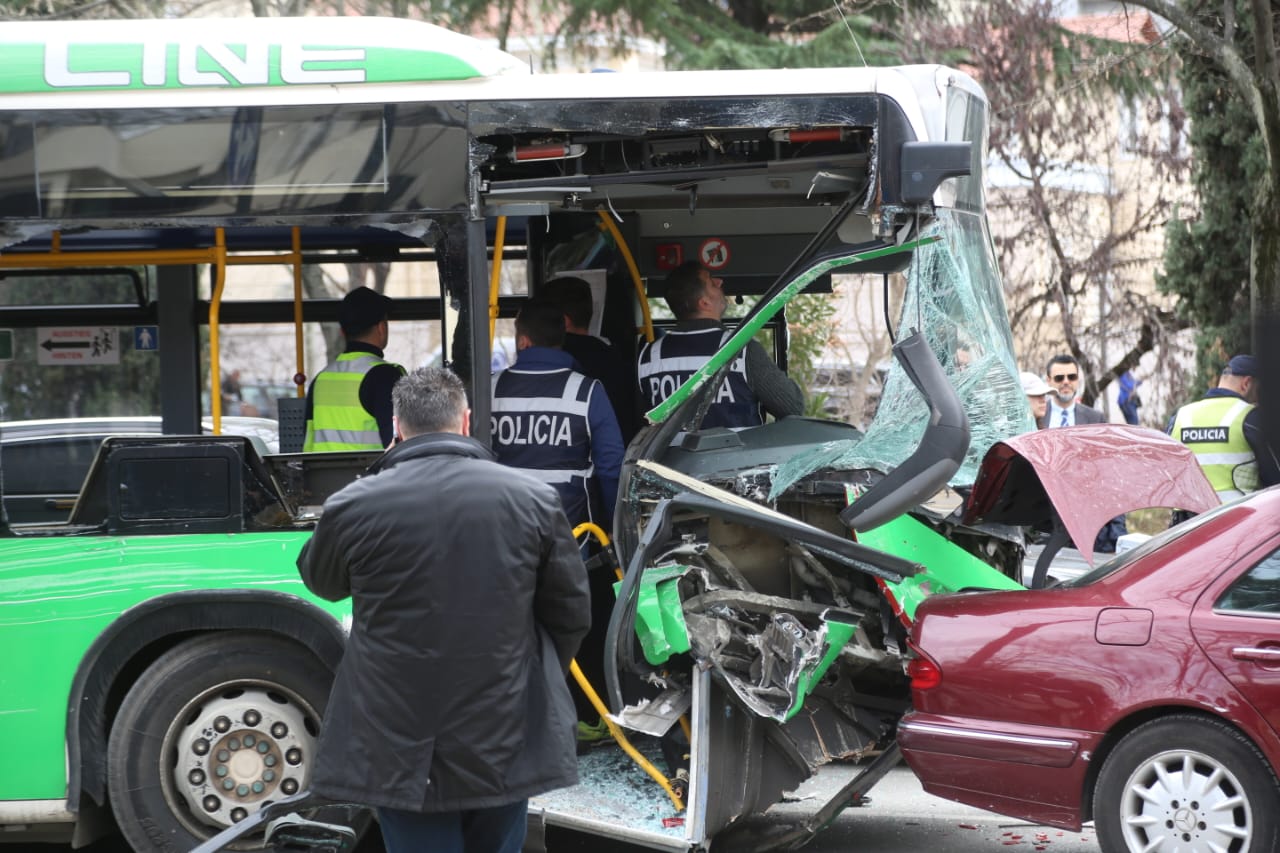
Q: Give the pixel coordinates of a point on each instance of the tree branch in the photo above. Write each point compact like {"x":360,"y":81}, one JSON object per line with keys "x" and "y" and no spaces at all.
{"x":1218,"y":48}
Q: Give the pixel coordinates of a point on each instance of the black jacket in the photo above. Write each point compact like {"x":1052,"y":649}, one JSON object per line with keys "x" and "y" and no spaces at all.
{"x":469,"y":600}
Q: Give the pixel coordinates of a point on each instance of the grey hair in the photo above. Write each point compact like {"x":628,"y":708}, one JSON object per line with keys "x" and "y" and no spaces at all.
{"x":429,"y":399}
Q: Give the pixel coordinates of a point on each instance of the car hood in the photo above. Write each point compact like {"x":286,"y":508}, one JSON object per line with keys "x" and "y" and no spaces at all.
{"x":1087,"y":475}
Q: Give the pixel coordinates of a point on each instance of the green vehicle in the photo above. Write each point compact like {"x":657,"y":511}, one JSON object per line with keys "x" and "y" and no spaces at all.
{"x":165,"y":671}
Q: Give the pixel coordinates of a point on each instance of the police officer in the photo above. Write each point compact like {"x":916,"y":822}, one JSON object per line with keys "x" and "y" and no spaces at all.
{"x":754,"y":383}
{"x":1224,"y":431}
{"x":349,"y":402}
{"x":554,"y":422}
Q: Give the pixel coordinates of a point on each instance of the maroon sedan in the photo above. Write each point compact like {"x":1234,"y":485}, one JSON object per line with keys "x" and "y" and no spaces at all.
{"x":1144,"y":696}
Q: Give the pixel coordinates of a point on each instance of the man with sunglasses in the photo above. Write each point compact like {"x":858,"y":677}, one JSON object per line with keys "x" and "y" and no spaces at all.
{"x":1063,"y":375}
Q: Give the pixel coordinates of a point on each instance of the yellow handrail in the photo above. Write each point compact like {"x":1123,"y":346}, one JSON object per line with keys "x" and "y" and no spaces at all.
{"x":215,"y":306}
{"x":495,"y":276}
{"x":621,"y":738}
{"x":635,"y":273}
{"x":598,"y":704}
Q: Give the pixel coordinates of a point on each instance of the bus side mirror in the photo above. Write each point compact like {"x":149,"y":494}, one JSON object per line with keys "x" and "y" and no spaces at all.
{"x":925,"y":165}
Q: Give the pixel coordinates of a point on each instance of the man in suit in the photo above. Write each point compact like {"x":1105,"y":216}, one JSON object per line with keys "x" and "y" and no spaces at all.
{"x":1063,"y":376}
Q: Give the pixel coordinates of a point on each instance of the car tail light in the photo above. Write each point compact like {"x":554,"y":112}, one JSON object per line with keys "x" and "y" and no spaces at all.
{"x":924,"y":673}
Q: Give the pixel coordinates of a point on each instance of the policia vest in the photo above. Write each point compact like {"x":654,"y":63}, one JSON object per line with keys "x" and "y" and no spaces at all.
{"x":665,"y":365}
{"x":1213,"y":429}
{"x":539,"y":424}
{"x":338,"y":421}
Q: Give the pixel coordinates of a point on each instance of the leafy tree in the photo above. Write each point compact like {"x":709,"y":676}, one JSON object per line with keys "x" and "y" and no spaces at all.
{"x":746,"y":33}
{"x":1207,"y":258}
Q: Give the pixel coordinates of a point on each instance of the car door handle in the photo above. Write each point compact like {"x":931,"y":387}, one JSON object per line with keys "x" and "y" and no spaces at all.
{"x":1257,"y":655}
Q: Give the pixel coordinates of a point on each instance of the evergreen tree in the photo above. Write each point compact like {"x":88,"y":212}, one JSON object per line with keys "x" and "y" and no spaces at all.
{"x":1207,"y":258}
{"x":1239,"y":39}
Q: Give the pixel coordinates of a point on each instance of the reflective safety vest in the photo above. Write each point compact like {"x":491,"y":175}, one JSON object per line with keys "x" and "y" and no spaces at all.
{"x":1213,"y":429}
{"x":338,"y":421}
{"x":668,"y":362}
{"x":539,"y":424}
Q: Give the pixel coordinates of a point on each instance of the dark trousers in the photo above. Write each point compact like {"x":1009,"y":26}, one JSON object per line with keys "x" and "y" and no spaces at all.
{"x":500,"y":829}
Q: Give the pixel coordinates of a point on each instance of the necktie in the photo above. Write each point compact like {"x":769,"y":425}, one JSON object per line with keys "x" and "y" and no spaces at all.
{"x":1064,"y":418}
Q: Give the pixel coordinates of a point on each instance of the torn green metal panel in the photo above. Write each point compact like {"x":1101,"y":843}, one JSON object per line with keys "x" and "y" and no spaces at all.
{"x":757,"y":322}
{"x":948,"y":567}
{"x":659,"y":615}
{"x":836,"y":632}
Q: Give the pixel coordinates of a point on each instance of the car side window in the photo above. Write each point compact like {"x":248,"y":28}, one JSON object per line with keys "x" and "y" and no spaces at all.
{"x":54,"y":465}
{"x":1257,"y":590}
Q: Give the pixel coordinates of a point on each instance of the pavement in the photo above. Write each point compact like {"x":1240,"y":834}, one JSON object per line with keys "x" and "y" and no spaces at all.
{"x":900,"y":818}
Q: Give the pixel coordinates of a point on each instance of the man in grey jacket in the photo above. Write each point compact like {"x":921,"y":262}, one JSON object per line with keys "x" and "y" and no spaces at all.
{"x":469,"y":599}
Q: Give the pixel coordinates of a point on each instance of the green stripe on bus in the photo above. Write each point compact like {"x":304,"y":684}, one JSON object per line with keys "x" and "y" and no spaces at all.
{"x":120,"y":67}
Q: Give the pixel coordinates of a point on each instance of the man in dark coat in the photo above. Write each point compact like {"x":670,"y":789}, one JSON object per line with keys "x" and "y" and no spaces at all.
{"x":469,"y":599}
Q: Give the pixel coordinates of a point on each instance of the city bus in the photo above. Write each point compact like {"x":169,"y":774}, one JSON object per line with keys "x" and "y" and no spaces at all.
{"x":166,"y":184}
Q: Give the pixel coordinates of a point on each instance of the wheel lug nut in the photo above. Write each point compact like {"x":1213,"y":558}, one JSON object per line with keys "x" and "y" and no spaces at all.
{"x":252,"y":718}
{"x":293,"y":756}
{"x":211,"y":803}
{"x":200,"y":747}
{"x":222,"y":724}
{"x":279,"y":730}
{"x":289,"y":786}
{"x":238,"y":815}
{"x":196,"y":777}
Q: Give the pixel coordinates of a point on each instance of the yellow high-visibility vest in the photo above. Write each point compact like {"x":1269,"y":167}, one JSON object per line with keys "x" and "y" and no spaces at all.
{"x":1213,"y":429}
{"x":338,"y":421}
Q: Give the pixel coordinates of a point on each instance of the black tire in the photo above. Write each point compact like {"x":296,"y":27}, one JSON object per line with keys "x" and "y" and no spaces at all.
{"x":1201,"y":783}
{"x":243,"y":707}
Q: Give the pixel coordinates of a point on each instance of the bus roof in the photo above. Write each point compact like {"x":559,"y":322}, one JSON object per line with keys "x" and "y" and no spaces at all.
{"x":212,"y":62}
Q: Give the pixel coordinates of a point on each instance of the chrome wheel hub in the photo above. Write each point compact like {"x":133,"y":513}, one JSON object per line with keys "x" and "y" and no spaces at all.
{"x":1184,"y":800}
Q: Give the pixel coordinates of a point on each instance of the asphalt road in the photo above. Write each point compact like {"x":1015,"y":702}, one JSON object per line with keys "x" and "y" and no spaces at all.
{"x":901,"y":818}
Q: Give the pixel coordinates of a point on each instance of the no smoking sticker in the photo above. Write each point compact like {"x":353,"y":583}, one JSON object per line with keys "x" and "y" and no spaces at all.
{"x":714,"y":253}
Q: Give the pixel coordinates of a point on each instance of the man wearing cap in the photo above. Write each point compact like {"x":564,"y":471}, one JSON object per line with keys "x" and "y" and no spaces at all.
{"x":349,"y":402}
{"x":1224,"y":431}
{"x":1037,"y":395}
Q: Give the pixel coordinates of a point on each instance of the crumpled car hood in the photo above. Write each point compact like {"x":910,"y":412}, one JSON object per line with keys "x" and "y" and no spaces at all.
{"x":1088,"y":475}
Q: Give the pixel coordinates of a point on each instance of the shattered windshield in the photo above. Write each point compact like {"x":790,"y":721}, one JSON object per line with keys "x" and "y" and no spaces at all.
{"x":953,"y":296}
